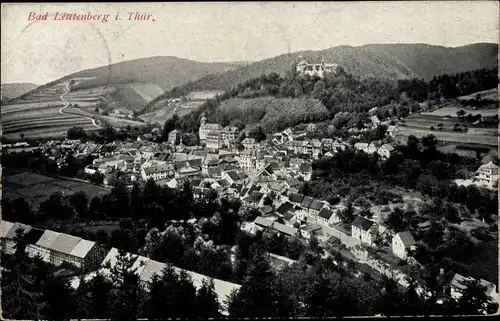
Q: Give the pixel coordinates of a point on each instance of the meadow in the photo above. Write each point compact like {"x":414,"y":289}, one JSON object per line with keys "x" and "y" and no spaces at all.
{"x":35,"y":188}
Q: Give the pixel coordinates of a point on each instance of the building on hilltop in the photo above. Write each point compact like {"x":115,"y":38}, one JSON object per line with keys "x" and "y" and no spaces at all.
{"x":316,"y":69}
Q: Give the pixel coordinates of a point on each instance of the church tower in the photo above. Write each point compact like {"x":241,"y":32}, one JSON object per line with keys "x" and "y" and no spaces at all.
{"x":203,"y":121}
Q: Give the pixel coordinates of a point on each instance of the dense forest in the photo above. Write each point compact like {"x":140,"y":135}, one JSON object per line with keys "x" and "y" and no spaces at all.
{"x":339,"y":93}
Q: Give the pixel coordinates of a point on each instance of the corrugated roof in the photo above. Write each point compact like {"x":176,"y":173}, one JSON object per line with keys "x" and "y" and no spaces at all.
{"x":47,"y":238}
{"x":82,"y":248}
{"x":64,"y":243}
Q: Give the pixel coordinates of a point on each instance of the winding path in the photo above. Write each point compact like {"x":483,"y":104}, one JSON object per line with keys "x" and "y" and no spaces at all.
{"x":61,"y":111}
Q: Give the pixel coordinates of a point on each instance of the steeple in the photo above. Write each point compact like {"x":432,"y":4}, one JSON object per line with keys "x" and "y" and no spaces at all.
{"x":203,"y":120}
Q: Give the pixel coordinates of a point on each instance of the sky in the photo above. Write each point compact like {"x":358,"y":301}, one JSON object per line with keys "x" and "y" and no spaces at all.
{"x":42,"y":51}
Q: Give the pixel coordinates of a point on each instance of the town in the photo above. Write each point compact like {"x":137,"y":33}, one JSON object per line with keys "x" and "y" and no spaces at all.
{"x":250,"y":161}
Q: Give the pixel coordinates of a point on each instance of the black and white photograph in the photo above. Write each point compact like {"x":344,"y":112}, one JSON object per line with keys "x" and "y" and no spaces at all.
{"x":192,"y":160}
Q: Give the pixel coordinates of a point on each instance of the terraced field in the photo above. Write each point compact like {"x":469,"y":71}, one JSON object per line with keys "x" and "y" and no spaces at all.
{"x":41,"y":115}
{"x":420,"y":125}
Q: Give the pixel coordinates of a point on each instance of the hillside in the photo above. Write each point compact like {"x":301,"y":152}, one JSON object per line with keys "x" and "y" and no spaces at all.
{"x":394,"y":61}
{"x":131,"y":84}
{"x":13,"y":90}
{"x":271,"y":113}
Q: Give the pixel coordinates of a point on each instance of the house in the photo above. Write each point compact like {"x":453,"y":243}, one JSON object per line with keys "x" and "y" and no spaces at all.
{"x":254,"y":200}
{"x":327,"y":217}
{"x":305,"y":171}
{"x":265,"y":223}
{"x":375,"y":122}
{"x":210,"y":167}
{"x":385,"y":151}
{"x":361,"y":230}
{"x":315,"y":207}
{"x":174,"y":137}
{"x":157,"y":172}
{"x":457,"y":286}
{"x":362,"y":146}
{"x":306,"y":202}
{"x":229,"y":135}
{"x":488,"y":174}
{"x":214,"y":140}
{"x":284,"y":208}
{"x":249,"y":143}
{"x":393,"y":131}
{"x":296,"y":198}
{"x":372,"y":148}
{"x":233,"y":176}
{"x":402,"y":242}
{"x":310,"y":230}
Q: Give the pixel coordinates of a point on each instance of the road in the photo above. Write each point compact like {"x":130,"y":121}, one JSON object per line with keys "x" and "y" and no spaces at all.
{"x":61,"y":111}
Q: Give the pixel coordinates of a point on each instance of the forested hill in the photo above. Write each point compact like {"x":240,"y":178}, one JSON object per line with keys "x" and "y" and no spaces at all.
{"x":289,"y":99}
{"x":393,"y":61}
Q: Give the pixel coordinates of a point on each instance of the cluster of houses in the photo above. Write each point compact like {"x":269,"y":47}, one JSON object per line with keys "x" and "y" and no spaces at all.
{"x":85,"y":258}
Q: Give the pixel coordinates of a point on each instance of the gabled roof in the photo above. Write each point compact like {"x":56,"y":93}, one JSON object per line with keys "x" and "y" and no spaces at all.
{"x":362,"y":223}
{"x":259,"y":220}
{"x":407,"y":238}
{"x":47,"y":238}
{"x":306,"y":201}
{"x":6,"y":227}
{"x":325,"y":213}
{"x":11,"y":234}
{"x":312,"y":227}
{"x":284,"y":208}
{"x":82,"y":248}
{"x":389,"y":147}
{"x":65,"y":243}
{"x":296,"y":198}
{"x":489,"y":165}
{"x":316,"y":205}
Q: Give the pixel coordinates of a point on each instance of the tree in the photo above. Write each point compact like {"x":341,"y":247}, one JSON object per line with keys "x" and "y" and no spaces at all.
{"x":473,"y":299}
{"x":58,"y":297}
{"x":257,"y":133}
{"x":20,"y":298}
{"x":76,"y":133}
{"x":125,"y":297}
{"x":79,"y":202}
{"x":207,"y":303}
{"x":257,"y":296}
{"x":99,"y":289}
{"x":97,"y":178}
{"x":17,"y":210}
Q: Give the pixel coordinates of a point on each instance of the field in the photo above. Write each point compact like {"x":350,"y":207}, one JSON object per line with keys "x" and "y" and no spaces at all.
{"x":203,"y":95}
{"x":485,"y":94}
{"x":442,"y":128}
{"x":41,"y":115}
{"x":36,"y":188}
{"x":452,"y":112}
{"x":46,"y":113}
